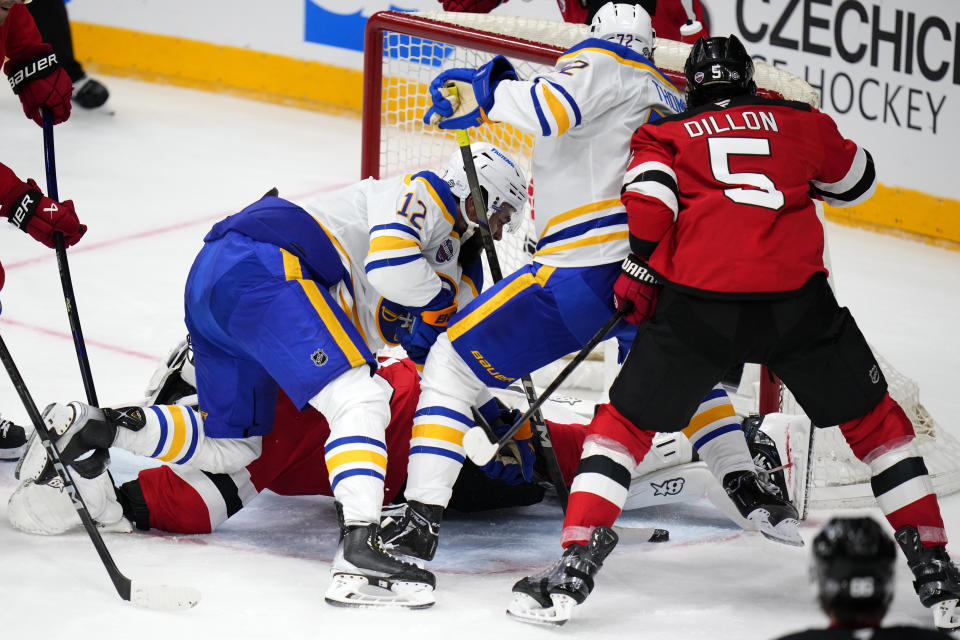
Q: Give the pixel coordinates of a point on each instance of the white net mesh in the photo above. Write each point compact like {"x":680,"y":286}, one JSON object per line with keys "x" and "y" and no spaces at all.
{"x":409,"y":63}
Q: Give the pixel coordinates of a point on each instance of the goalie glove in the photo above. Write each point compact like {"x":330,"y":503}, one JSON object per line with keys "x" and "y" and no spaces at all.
{"x":513,"y":464}
{"x":29,"y":210}
{"x":429,"y":322}
{"x":636,"y":286}
{"x":463,"y":96}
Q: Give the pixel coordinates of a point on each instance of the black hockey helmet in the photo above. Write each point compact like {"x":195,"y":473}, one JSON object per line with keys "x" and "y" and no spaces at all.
{"x":718,"y":68}
{"x":853,"y":567}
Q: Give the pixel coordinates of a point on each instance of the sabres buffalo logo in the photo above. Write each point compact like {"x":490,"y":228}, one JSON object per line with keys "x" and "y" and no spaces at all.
{"x":446,"y":252}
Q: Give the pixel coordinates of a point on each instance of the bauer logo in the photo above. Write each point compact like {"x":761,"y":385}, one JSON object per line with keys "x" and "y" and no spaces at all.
{"x":319,"y":357}
{"x":332,"y":25}
{"x":668,"y":488}
{"x":874,"y":374}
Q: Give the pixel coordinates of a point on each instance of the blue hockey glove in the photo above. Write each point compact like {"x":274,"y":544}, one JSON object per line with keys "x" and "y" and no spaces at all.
{"x":429,"y":322}
{"x":513,"y":464}
{"x":463,"y":96}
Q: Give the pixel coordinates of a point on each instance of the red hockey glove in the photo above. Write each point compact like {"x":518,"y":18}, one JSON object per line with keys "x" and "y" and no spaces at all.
{"x":638,"y":285}
{"x":32,"y":69}
{"x":39,"y":82}
{"x":31,"y":211}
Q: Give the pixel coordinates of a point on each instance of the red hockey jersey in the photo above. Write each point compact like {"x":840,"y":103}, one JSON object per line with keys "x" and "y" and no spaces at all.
{"x":720,"y":198}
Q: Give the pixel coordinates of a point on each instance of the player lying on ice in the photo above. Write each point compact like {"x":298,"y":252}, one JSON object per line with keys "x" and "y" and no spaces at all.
{"x":582,"y":113}
{"x":727,"y":267}
{"x":186,"y":498}
{"x":284,"y":296}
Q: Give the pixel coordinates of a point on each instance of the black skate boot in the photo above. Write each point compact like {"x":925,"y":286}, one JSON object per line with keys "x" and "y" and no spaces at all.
{"x":365,"y":575}
{"x":549,"y":596}
{"x":937,"y":578}
{"x":13,"y":440}
{"x":89,"y":93}
{"x":774,"y":516}
{"x":412,"y":529}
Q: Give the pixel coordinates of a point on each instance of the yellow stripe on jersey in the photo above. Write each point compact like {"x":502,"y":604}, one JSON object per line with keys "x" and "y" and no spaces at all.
{"x":438,"y":432}
{"x":583,"y":242}
{"x":357,"y":455}
{"x":179,"y":434}
{"x":438,"y":200}
{"x":591,"y":207}
{"x":514,"y":287}
{"x":293,"y":271}
{"x":388,"y":243}
{"x":556,"y":108}
{"x":469,"y":282}
{"x":704,"y":418}
{"x":621,"y":60}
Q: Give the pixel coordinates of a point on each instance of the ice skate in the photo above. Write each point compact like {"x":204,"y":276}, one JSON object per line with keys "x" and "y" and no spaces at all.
{"x":89,"y":93}
{"x":770,"y":514}
{"x":937,"y":578}
{"x":411,"y":529}
{"x":364,"y":575}
{"x":549,"y":597}
{"x":13,"y":440}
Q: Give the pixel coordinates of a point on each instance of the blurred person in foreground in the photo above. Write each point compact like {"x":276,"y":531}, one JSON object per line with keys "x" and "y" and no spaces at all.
{"x":853,"y":569}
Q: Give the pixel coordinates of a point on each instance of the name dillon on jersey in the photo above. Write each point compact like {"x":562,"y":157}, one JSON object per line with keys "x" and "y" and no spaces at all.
{"x":742,"y":121}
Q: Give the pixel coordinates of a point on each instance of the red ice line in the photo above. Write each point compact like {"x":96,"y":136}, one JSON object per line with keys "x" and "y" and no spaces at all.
{"x":105,"y":243}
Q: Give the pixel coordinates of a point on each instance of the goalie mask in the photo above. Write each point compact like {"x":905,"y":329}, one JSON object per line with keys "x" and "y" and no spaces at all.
{"x":502,"y":184}
{"x":853,"y":567}
{"x":718,"y":68}
{"x":624,"y":23}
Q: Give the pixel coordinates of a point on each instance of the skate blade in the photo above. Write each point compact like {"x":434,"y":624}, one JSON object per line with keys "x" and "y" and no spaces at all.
{"x":787,"y":531}
{"x":350,"y":590}
{"x":946,"y":616}
{"x":526,"y":609}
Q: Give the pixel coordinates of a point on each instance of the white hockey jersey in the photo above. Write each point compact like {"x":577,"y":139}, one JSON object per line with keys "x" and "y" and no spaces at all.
{"x":584,"y":113}
{"x":396,"y":239}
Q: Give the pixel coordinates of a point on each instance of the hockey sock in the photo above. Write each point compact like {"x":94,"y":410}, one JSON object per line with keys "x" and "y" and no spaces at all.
{"x":448,"y":390}
{"x":884,"y":440}
{"x":170,"y":432}
{"x":185,"y":500}
{"x":715,"y":433}
{"x":610,"y":453}
{"x":357,"y":408}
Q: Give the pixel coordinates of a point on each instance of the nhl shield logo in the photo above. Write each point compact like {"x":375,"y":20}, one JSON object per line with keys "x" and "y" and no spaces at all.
{"x":698,"y":77}
{"x":446,"y":251}
{"x":319,"y":357}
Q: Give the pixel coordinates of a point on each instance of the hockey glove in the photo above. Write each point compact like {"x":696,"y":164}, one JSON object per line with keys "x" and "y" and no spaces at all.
{"x":513,"y":464}
{"x":85,"y":436}
{"x":471,"y":97}
{"x":33,"y":71}
{"x":636,"y":285}
{"x":429,"y":322}
{"x":29,"y":210}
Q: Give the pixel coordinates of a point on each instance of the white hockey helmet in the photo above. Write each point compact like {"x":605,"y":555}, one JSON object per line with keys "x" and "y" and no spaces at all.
{"x":615,"y":20}
{"x":502,"y":182}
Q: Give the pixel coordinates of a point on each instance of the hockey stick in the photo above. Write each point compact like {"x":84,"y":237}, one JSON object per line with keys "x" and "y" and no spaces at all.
{"x":160,"y":597}
{"x":476,"y":443}
{"x":536,"y":418}
{"x":65,"y":281}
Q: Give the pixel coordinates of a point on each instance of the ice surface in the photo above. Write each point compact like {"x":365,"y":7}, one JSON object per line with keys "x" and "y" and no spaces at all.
{"x":149,"y":181}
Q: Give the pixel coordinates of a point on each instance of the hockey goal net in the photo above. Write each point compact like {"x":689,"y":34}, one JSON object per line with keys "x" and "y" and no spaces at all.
{"x":405,"y":51}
